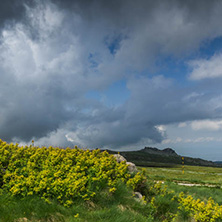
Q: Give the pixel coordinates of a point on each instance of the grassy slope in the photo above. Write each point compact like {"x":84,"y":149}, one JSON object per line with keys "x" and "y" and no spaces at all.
{"x":120,"y":207}
{"x":146,"y":159}
{"x":193,"y":174}
{"x":202,"y":193}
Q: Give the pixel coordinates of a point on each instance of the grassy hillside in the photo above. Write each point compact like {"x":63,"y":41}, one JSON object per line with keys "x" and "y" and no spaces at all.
{"x":52,"y":184}
{"x":192,"y":174}
{"x":119,"y":207}
{"x":154,"y":157}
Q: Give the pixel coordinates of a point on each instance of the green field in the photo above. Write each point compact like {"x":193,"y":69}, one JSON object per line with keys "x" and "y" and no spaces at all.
{"x":52,"y":184}
{"x":121,"y":206}
{"x":192,"y":174}
{"x":200,"y":182}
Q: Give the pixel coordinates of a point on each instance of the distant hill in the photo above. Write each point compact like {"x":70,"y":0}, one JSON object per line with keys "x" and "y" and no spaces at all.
{"x":218,"y":162}
{"x":152,"y":156}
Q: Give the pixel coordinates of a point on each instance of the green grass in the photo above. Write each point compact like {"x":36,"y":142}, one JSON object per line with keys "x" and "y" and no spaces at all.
{"x":120,"y":207}
{"x":192,"y":174}
{"x":203,"y":193}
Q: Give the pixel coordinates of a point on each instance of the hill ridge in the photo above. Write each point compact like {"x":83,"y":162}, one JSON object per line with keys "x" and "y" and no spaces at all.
{"x":149,"y":156}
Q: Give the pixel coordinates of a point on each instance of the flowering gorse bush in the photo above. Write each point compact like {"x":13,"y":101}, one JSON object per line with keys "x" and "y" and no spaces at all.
{"x":64,"y":174}
{"x":162,"y":202}
{"x":202,"y":212}
{"x":167,"y":206}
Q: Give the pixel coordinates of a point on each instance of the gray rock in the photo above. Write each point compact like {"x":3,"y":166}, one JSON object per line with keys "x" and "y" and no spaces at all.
{"x":131,"y":167}
{"x":138,"y":197}
{"x":119,"y":158}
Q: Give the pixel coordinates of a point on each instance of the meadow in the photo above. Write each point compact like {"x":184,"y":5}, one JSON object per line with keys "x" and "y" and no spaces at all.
{"x":200,"y":182}
{"x":52,"y":184}
{"x":192,"y":174}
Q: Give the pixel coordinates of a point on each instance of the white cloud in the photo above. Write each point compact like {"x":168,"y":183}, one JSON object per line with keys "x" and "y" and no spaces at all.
{"x":193,"y":140}
{"x":212,"y":125}
{"x":204,"y":139}
{"x":177,"y":140}
{"x":180,"y":125}
{"x":45,"y":17}
{"x":206,"y":68}
{"x":161,"y":128}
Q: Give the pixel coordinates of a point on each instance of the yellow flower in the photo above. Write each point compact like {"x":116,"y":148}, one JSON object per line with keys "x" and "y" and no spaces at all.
{"x":76,"y":215}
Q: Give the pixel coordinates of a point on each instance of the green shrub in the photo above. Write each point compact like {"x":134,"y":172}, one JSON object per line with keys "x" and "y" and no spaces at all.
{"x":62,"y":174}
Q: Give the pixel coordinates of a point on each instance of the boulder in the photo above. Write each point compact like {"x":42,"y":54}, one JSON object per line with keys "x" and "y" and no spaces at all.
{"x":131,"y":167}
{"x":138,"y":197}
{"x":119,"y":158}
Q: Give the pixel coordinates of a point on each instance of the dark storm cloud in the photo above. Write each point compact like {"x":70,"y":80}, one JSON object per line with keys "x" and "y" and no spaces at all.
{"x":141,"y":8}
{"x":162,"y":102}
{"x":79,"y":46}
{"x":153,"y":102}
{"x":12,"y":11}
{"x":151,"y":28}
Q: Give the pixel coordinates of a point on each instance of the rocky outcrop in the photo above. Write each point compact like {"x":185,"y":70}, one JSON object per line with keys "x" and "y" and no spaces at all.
{"x":119,"y":158}
{"x":151,"y":156}
{"x":154,"y":150}
{"x":131,"y":166}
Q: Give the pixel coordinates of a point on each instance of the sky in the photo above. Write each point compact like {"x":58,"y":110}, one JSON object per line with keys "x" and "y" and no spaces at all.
{"x":113,"y":74}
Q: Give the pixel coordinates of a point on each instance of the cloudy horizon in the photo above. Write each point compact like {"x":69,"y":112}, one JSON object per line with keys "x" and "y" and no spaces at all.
{"x":120,"y":74}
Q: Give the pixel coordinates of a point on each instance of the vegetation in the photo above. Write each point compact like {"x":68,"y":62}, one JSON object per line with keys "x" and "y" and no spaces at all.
{"x":192,"y":174}
{"x":64,"y":174}
{"x":149,"y":157}
{"x":198,"y":192}
{"x":52,"y":184}
{"x":118,"y":207}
